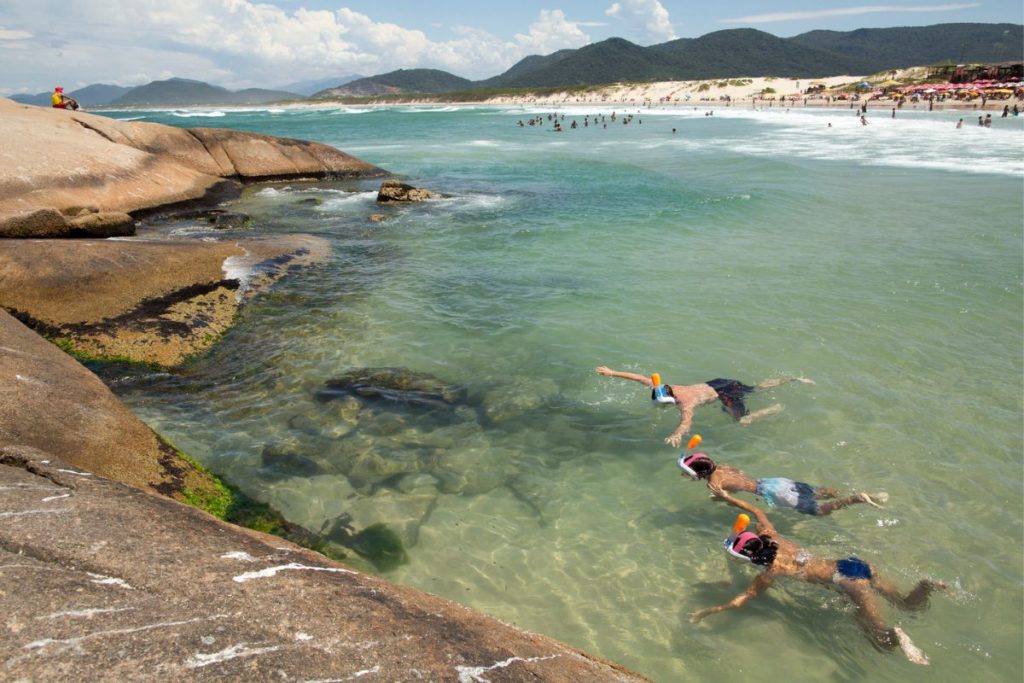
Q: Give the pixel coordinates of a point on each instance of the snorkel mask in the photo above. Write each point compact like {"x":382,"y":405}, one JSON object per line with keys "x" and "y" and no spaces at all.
{"x":661,"y":392}
{"x":748,"y":546}
{"x":739,"y":538}
{"x":686,"y":464}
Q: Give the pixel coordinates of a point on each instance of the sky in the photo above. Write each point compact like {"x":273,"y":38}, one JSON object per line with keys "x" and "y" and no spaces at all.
{"x":248,"y":43}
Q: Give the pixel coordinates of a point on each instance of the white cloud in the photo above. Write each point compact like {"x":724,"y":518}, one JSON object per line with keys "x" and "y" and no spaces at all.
{"x":8,"y":34}
{"x":551,"y":32}
{"x":648,"y":17}
{"x":239,"y":43}
{"x":844,"y":12}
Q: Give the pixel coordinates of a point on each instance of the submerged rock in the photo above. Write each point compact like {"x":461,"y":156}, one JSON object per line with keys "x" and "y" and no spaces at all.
{"x":223,"y":220}
{"x":396,"y":385}
{"x":520,"y":395}
{"x":284,"y":459}
{"x":397,"y":191}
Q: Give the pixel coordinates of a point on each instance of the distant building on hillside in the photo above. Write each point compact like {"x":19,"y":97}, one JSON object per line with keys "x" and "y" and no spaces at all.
{"x":965,"y":73}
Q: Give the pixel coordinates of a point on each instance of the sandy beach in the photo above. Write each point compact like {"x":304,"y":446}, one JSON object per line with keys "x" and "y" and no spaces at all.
{"x":711,"y":93}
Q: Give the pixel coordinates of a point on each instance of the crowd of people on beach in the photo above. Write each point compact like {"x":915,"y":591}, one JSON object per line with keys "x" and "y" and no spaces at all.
{"x":765,"y":548}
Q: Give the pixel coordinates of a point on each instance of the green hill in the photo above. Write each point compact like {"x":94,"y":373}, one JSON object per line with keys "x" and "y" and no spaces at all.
{"x":735,"y":53}
{"x":403,"y":81}
{"x":895,"y":48}
{"x":180,"y":92}
{"x":609,"y":61}
{"x":525,"y":66}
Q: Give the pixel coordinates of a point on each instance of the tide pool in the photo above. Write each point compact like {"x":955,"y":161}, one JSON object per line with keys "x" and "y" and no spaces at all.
{"x":883,"y":261}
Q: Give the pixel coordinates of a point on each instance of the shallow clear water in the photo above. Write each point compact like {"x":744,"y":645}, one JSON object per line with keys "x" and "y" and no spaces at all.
{"x":883,"y":261}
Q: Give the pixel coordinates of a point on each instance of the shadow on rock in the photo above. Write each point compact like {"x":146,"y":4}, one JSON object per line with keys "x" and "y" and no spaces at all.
{"x":376,"y":543}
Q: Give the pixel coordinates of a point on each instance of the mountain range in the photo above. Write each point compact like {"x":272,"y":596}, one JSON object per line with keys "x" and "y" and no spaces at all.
{"x":731,"y":53}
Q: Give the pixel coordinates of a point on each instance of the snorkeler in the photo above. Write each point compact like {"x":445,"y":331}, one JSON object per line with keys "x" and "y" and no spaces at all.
{"x":687,"y":397}
{"x":723,"y":480}
{"x":854,"y":577}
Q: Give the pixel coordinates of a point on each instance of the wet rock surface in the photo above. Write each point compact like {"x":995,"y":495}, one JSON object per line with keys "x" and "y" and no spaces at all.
{"x":50,"y":402}
{"x":130,"y":167}
{"x":105,"y":582}
{"x":144,"y":301}
{"x":397,"y":191}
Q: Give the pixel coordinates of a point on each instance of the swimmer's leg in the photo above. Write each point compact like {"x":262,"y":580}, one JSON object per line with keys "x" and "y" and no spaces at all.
{"x":825,"y":492}
{"x":773,"y":382}
{"x":758,"y":414}
{"x":870,"y":619}
{"x":916,"y":599}
{"x":832,"y":505}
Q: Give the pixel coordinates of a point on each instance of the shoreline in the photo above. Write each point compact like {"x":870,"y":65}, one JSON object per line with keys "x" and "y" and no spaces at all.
{"x":706,"y":93}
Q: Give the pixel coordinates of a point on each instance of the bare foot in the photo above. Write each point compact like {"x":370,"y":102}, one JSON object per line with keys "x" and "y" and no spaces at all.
{"x":913,"y":652}
{"x":865,"y":498}
{"x":805,"y":380}
{"x":880,"y":497}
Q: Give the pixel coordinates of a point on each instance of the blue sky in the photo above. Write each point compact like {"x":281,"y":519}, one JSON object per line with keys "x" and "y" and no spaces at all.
{"x":244,"y":43}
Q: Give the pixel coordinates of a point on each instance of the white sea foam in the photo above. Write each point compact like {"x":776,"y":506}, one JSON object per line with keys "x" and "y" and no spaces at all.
{"x":191,"y":231}
{"x":427,"y":110}
{"x":241,"y":268}
{"x":200,"y":114}
{"x":347,"y":200}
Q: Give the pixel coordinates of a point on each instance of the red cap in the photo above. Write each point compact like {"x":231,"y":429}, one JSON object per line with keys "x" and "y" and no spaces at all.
{"x":59,"y":88}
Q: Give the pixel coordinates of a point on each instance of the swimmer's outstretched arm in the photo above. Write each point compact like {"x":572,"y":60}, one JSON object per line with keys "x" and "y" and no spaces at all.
{"x":762,"y":520}
{"x":760,"y":585}
{"x":764,"y":525}
{"x":643,"y":379}
{"x":676,"y":437}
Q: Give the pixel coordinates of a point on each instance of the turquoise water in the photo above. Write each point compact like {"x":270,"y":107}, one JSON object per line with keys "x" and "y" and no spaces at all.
{"x":884,"y":262}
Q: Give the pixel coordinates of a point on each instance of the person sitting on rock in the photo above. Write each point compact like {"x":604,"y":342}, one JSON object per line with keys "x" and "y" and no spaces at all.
{"x":61,"y":101}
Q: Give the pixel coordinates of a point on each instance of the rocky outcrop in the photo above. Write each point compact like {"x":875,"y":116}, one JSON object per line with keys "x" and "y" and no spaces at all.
{"x":50,"y":402}
{"x":154,"y":302}
{"x":397,"y":191}
{"x":114,"y":584}
{"x":64,"y":161}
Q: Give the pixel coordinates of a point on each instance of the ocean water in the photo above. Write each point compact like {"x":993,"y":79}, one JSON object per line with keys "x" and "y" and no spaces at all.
{"x":883,"y":261}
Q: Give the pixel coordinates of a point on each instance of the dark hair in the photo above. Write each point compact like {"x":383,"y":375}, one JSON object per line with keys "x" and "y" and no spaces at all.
{"x":703,"y":467}
{"x":760,"y":550}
